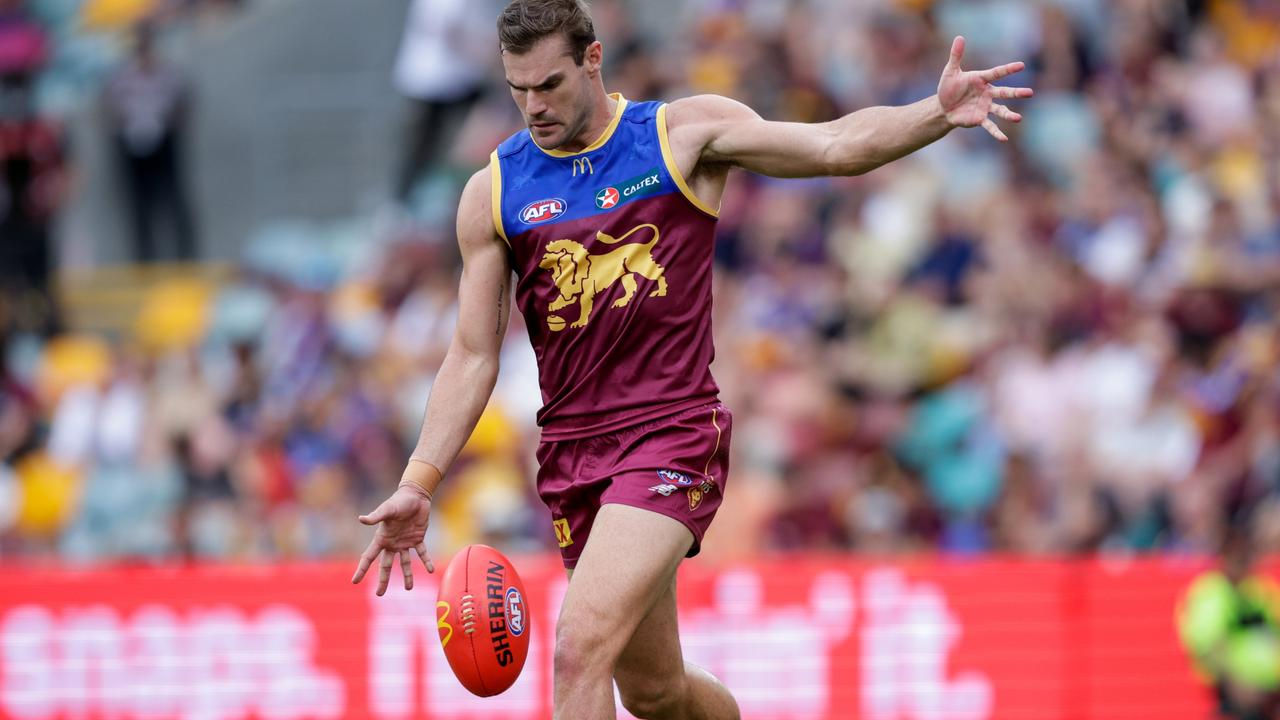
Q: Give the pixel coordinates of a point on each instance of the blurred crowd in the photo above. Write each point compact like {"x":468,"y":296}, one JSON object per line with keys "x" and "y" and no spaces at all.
{"x":56,"y":57}
{"x":1062,"y":344}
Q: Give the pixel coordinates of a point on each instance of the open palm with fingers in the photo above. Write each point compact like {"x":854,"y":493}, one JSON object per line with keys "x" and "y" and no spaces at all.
{"x":969,"y":97}
{"x":402,"y":525}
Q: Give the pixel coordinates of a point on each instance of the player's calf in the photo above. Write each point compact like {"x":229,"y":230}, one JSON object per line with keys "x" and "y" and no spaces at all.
{"x":694,"y":694}
{"x":654,"y":697}
{"x":709,"y":696}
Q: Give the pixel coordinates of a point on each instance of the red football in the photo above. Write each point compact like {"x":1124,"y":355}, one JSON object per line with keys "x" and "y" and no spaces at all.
{"x":483,"y":620}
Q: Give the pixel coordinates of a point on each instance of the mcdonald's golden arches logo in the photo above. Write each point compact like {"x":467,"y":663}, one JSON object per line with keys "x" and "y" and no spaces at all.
{"x":442,"y":623}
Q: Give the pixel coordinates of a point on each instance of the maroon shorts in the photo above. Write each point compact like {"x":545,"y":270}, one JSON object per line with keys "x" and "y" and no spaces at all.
{"x":675,"y":466}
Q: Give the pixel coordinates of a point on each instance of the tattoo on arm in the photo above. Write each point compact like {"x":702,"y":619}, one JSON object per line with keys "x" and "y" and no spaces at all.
{"x":501,"y":292}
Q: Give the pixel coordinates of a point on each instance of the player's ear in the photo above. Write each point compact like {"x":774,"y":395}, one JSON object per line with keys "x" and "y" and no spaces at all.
{"x":593,"y":58}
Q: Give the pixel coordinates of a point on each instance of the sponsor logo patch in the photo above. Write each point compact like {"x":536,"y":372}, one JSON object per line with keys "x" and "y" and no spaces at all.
{"x":607,"y":198}
{"x":664,"y":490}
{"x":630,"y":189}
{"x":540,"y":211}
{"x":563,"y":537}
{"x":676,"y":477}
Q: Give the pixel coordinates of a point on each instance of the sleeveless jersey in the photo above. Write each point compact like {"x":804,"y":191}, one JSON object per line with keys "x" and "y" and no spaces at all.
{"x":613,"y":255}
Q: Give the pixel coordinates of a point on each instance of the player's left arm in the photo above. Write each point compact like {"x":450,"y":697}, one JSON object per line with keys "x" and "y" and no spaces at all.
{"x":712,"y":130}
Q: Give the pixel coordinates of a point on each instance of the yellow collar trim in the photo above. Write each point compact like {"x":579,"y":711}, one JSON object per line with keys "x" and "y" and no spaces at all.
{"x":600,"y":141}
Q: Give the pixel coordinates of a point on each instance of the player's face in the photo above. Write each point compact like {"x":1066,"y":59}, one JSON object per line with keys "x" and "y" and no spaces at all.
{"x":552,"y":92}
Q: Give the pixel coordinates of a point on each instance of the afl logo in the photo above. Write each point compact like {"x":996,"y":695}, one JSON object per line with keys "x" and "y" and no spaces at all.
{"x":541,"y":211}
{"x":515,"y":612}
{"x":607,"y":198}
{"x":676,"y":477}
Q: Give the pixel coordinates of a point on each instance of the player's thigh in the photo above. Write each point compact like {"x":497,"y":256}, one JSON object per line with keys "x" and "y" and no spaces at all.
{"x":652,"y":663}
{"x":628,"y":564}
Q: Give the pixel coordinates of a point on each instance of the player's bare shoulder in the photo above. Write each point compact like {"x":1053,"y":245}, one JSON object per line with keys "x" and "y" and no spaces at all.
{"x":701,"y":109}
{"x":693,"y":126}
{"x":694,"y":122}
{"x":476,"y":217}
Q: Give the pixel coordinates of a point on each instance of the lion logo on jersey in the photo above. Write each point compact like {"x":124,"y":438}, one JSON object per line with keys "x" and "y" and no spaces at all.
{"x":580,"y":276}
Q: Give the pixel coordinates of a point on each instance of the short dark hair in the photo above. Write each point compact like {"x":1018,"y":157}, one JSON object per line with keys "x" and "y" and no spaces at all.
{"x":524,"y":22}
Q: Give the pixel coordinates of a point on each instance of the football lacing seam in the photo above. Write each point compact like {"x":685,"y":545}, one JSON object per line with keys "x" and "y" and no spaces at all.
{"x":468,"y":614}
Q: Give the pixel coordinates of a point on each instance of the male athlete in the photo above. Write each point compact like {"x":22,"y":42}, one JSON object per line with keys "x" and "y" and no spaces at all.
{"x":605,"y":209}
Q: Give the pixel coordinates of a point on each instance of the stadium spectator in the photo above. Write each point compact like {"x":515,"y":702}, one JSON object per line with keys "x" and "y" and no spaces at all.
{"x":33,"y":178}
{"x":147,"y":108}
{"x":442,"y":70}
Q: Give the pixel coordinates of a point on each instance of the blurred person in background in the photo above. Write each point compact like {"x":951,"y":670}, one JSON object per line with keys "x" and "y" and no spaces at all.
{"x":441,"y":69}
{"x":1229,"y":623}
{"x":147,"y":106}
{"x":33,"y":178}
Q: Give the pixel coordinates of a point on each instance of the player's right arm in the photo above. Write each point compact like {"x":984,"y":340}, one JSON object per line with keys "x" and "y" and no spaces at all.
{"x":709,"y":134}
{"x":460,"y":392}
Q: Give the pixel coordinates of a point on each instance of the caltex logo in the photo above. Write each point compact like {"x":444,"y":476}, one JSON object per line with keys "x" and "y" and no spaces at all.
{"x":607,"y":198}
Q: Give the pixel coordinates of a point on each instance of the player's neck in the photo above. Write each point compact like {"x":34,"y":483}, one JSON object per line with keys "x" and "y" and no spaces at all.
{"x":602,"y":112}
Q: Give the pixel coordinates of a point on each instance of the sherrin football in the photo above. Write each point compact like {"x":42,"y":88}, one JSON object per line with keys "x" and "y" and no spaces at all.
{"x":483,"y":620}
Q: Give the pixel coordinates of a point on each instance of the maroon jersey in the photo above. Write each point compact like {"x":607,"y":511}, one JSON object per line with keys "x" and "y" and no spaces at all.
{"x":613,"y":254}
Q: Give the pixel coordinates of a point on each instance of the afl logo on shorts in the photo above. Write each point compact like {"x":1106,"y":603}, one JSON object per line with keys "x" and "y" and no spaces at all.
{"x":541,"y":211}
{"x":607,"y":198}
{"x":515,"y":612}
{"x":675,"y":476}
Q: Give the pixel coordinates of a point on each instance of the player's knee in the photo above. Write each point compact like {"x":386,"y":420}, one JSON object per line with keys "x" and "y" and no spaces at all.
{"x":583,"y":648}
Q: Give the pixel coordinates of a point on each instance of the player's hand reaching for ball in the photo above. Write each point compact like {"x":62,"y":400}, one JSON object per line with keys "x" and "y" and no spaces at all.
{"x":968,"y":96}
{"x":401,"y":522}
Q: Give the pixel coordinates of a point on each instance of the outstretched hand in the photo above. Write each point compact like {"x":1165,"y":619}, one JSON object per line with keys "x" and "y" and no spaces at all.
{"x":402,"y":526}
{"x":968,"y":97}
